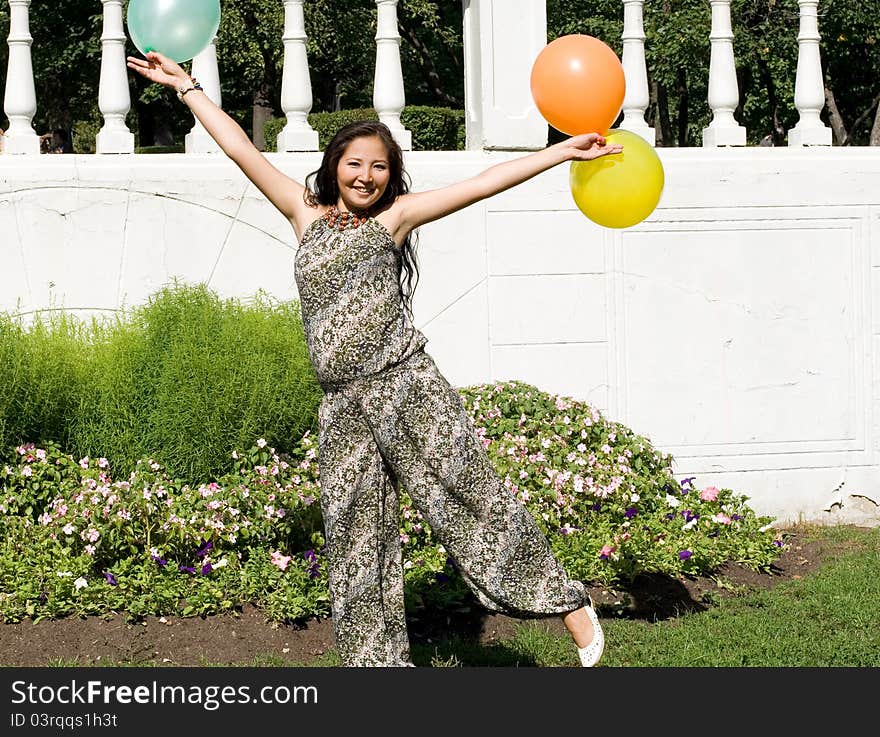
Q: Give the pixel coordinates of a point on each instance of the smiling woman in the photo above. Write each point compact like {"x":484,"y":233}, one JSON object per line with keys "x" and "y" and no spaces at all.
{"x":388,"y":417}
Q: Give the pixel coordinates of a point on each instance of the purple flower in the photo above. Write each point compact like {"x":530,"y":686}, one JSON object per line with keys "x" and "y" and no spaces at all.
{"x":689,"y":515}
{"x":159,"y":561}
{"x":735,"y":517}
{"x":630,"y":512}
{"x":684,"y":554}
{"x":186,"y":569}
{"x":689,"y":482}
{"x":670,"y":515}
{"x":314,"y":569}
{"x":204,"y":548}
{"x":111,"y":579}
{"x":597,"y":507}
{"x":778,"y":543}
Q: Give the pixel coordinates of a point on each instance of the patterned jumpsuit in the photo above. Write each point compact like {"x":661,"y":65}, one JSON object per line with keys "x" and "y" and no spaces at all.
{"x":388,"y":416}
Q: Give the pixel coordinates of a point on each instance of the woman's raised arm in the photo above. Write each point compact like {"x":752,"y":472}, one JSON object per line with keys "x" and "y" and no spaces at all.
{"x":422,"y":207}
{"x":282,"y":191}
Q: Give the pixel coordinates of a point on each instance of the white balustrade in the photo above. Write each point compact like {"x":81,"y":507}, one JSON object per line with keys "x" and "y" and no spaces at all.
{"x":809,"y":90}
{"x":388,"y":93}
{"x":205,"y":71}
{"x":296,"y":86}
{"x":114,"y":100}
{"x":723,"y":88}
{"x":502,"y":39}
{"x":636,"y":99}
{"x":20,"y":97}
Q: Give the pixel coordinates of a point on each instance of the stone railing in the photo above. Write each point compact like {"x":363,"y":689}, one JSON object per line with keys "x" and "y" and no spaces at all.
{"x":498,"y":35}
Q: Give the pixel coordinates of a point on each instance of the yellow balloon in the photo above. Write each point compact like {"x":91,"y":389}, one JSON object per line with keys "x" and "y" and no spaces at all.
{"x":619,"y":190}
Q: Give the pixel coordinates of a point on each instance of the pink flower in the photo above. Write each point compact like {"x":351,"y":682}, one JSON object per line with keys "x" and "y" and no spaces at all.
{"x":721,"y":518}
{"x":606,"y":551}
{"x":280,"y":560}
{"x":84,"y":462}
{"x":709,"y":494}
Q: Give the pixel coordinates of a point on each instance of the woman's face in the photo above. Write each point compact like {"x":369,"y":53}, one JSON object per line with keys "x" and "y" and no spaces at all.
{"x":362,"y":173}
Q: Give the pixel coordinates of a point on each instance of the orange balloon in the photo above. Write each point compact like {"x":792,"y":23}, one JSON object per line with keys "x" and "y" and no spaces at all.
{"x":578,"y":84}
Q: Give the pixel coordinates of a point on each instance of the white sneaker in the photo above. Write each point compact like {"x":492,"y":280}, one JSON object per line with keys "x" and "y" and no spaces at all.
{"x":590,"y":654}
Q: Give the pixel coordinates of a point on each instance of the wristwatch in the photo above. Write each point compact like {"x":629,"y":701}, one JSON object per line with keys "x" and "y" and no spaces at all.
{"x":183,"y":89}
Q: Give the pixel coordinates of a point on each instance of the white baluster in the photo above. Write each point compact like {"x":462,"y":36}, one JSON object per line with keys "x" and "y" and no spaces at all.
{"x":809,"y":90}
{"x":636,"y":98}
{"x":205,"y":71}
{"x":723,"y":89}
{"x":388,"y":93}
{"x":114,"y":100}
{"x":296,"y":86}
{"x":502,"y":39}
{"x":20,"y":98}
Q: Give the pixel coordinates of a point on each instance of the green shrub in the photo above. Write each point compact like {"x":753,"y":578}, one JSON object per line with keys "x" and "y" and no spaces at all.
{"x":45,"y":367}
{"x":183,"y":379}
{"x":175,"y":149}
{"x":187,"y":377}
{"x":433,"y":128}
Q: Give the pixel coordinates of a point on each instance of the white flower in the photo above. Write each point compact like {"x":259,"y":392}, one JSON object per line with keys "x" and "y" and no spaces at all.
{"x":80,"y":583}
{"x":672,"y":501}
{"x":63,"y":574}
{"x":634,"y":497}
{"x":765,"y":528}
{"x":261,"y":443}
{"x":689,"y":525}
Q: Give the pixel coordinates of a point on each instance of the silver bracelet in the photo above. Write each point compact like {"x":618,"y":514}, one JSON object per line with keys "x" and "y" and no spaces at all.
{"x":181,"y":91}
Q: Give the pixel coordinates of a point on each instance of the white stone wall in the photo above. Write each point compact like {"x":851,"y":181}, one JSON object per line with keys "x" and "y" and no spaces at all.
{"x":738,"y":327}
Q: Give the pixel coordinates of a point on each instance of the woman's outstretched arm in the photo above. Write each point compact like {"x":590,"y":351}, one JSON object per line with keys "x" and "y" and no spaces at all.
{"x":282,"y":191}
{"x":418,"y":208}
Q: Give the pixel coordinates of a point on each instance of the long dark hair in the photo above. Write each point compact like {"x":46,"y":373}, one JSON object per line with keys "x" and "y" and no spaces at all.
{"x":322,"y":188}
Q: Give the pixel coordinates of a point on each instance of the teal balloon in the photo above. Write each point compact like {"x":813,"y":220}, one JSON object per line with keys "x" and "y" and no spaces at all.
{"x":179,"y":29}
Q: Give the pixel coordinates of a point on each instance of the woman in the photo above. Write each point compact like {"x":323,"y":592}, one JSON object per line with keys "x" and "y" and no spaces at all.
{"x":388,"y":416}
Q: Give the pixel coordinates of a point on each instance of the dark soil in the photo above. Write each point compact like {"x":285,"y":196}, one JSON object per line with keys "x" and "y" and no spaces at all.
{"x":247,"y":636}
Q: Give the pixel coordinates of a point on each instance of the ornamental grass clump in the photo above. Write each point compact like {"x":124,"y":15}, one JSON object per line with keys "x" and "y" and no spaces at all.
{"x":188,"y":376}
{"x":44,"y":367}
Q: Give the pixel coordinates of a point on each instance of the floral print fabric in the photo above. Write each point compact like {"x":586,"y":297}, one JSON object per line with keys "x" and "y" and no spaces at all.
{"x":402,"y":424}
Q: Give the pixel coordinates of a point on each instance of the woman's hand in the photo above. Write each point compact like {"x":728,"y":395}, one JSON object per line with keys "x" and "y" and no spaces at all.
{"x":160,"y":69}
{"x":589,"y":146}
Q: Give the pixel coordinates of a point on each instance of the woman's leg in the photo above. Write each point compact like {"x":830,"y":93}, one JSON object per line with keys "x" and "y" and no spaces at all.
{"x":360,"y":507}
{"x":425,"y":433}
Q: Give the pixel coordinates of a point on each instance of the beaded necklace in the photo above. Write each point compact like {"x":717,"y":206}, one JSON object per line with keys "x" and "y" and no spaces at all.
{"x":342,"y":220}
